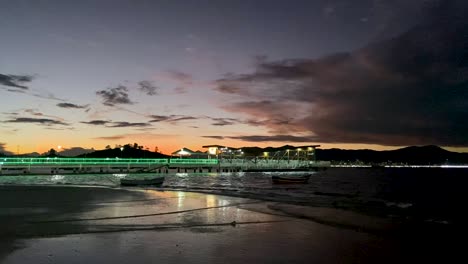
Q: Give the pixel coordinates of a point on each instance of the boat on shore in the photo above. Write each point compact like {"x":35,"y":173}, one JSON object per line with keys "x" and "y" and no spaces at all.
{"x":290,"y":179}
{"x":141,"y":182}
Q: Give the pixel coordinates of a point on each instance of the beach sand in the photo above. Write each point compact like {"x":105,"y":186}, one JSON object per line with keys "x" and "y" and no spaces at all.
{"x":67,"y":224}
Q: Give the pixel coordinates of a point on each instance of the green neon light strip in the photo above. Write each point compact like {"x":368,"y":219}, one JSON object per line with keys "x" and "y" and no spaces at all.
{"x":193,"y":161}
{"x":102,"y":161}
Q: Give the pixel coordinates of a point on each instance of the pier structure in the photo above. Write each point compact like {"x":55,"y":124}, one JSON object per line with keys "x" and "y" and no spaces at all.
{"x":269,"y":159}
{"x":217,"y":159}
{"x":15,"y":166}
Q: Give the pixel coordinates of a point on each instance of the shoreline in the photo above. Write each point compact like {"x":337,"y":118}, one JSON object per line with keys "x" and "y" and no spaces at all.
{"x":401,"y":220}
{"x":306,"y":210}
{"x":59,"y":221}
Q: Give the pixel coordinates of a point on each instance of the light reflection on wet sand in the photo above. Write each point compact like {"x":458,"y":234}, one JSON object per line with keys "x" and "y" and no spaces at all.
{"x":148,"y":226}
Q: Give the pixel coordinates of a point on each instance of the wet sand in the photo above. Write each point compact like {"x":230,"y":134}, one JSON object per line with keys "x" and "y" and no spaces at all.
{"x":55,"y":224}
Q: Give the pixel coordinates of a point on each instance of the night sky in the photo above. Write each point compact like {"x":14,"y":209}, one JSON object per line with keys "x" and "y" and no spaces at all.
{"x":169,"y":74}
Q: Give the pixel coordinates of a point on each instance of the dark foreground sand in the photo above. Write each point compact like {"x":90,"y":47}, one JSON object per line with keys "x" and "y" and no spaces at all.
{"x":102,"y":225}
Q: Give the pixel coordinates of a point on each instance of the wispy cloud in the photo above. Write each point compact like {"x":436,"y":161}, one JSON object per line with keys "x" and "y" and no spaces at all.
{"x":180,"y":80}
{"x":42,"y":121}
{"x":46,"y":95}
{"x":128,"y":124}
{"x":70,"y":105}
{"x":33,"y":112}
{"x":214,"y":137}
{"x":267,"y":138}
{"x":36,"y":112}
{"x":275,"y":138}
{"x":148,"y":88}
{"x":180,"y":76}
{"x":16,"y":81}
{"x":17,"y":84}
{"x":15,"y":91}
{"x":219,"y":121}
{"x":115,"y":96}
{"x":184,"y":118}
{"x":115,"y":124}
{"x":96,"y":122}
{"x":171,"y":118}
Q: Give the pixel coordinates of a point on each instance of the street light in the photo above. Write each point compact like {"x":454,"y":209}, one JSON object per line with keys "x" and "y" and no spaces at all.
{"x":121,"y":151}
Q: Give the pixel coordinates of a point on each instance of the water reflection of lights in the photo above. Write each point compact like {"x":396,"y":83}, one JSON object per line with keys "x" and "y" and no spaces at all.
{"x":119,"y":175}
{"x":223,"y":202}
{"x":180,"y":200}
{"x":57,"y":177}
{"x":210,"y":200}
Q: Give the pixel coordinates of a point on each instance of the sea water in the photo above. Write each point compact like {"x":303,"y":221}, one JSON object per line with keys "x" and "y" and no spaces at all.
{"x":421,"y":194}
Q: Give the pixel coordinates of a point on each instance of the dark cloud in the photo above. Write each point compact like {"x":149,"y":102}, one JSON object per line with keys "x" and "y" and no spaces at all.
{"x":148,"y":87}
{"x":115,"y":96}
{"x":70,"y":105}
{"x":170,"y":118}
{"x":4,"y":151}
{"x":115,"y":124}
{"x":183,"y":118}
{"x":411,"y":89}
{"x":42,"y":121}
{"x":224,"y":121}
{"x":273,"y":138}
{"x":217,"y":121}
{"x":229,"y":86}
{"x":96,"y":122}
{"x":128,"y":124}
{"x":277,"y":138}
{"x":16,"y":81}
{"x":15,"y":91}
{"x":160,"y":118}
{"x":214,"y":137}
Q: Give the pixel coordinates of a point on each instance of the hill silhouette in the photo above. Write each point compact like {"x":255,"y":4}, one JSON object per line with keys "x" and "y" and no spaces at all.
{"x":127,"y":151}
{"x":422,"y":155}
{"x":411,"y":155}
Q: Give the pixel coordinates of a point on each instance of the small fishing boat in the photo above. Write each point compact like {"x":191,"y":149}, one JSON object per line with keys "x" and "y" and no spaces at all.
{"x":290,"y":179}
{"x":138,"y":182}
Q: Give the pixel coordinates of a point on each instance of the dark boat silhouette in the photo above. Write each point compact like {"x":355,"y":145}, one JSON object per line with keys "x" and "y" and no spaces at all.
{"x":140,"y":182}
{"x":290,"y":179}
